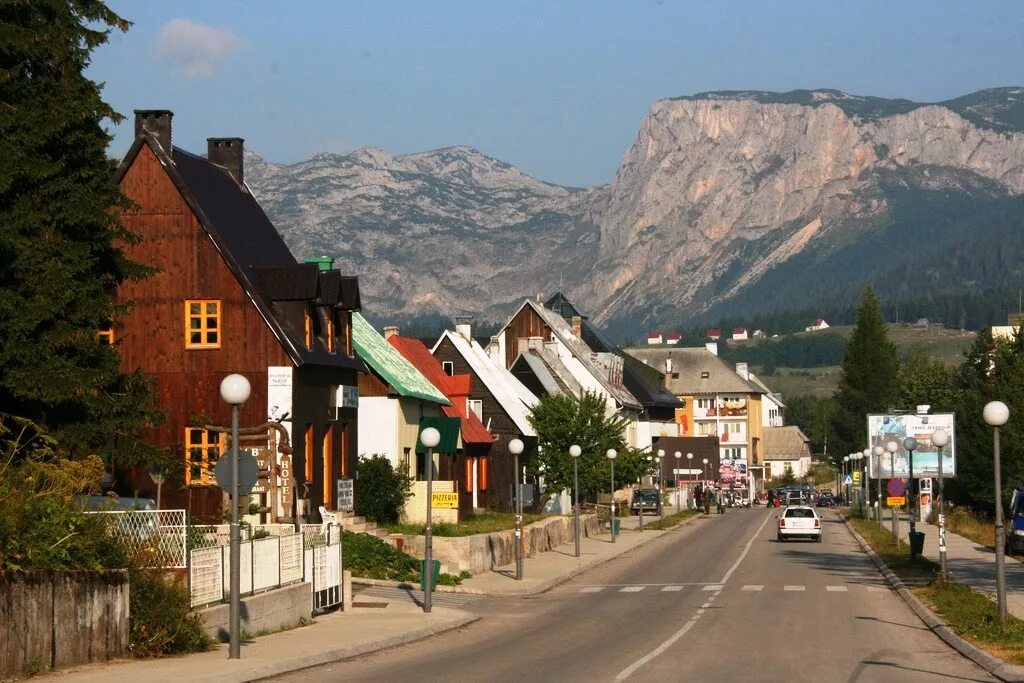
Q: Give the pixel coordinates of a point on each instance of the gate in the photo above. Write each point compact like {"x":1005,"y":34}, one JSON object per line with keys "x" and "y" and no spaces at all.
{"x":323,"y":567}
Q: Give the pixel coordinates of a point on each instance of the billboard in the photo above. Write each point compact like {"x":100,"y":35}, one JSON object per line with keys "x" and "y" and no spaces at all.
{"x":732,"y":473}
{"x":884,"y":428}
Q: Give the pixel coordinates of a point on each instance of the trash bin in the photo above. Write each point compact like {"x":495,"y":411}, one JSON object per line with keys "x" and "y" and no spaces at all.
{"x":616,"y":524}
{"x":916,"y":542}
{"x":423,"y":573}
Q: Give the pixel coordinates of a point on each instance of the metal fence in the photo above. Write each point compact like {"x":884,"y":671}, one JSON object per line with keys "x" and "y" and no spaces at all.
{"x":155,"y":538}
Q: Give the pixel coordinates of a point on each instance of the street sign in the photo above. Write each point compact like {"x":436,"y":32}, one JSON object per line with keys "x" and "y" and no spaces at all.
{"x":896,"y":501}
{"x":157,"y":474}
{"x":346,"y":495}
{"x":896,"y":487}
{"x":848,"y":481}
{"x":248,"y":472}
{"x":856,"y":478}
{"x":445,"y":500}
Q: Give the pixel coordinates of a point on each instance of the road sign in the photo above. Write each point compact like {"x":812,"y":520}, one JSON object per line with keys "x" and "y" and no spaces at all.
{"x":157,"y":474}
{"x":848,"y":481}
{"x":896,"y":501}
{"x":896,"y":487}
{"x":248,"y":472}
{"x":856,"y":478}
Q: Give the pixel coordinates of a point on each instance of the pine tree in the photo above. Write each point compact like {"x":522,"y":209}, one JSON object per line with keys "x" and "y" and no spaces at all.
{"x":60,"y":261}
{"x":868,"y":380}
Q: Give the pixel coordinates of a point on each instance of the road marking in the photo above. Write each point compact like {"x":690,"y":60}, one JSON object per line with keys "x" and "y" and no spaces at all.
{"x":592,"y":589}
{"x":628,"y":671}
{"x":753,"y":588}
{"x":877,"y":589}
{"x":713,"y":587}
{"x":836,"y":589}
{"x":671,"y":589}
{"x":793,"y":588}
{"x":631,"y":589}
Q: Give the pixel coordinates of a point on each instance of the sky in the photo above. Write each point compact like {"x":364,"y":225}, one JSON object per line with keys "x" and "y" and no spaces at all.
{"x":557,"y":89}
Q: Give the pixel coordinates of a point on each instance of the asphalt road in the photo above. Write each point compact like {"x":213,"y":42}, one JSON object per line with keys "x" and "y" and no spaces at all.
{"x":719,"y":600}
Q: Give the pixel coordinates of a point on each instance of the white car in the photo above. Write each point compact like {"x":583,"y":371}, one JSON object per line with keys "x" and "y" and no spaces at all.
{"x":799,"y":520}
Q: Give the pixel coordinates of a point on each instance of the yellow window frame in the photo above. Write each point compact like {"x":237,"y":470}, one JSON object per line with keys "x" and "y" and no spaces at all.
{"x":308,"y":332}
{"x":202,"y":450}
{"x":203,"y":328}
{"x":330,"y":331}
{"x":106,"y":336}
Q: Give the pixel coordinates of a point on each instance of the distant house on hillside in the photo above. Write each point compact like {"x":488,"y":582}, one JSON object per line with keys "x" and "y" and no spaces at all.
{"x":714,"y":333}
{"x":759,"y":334}
{"x":654,"y":338}
{"x":739,"y":334}
{"x":673,"y":338}
{"x":819,"y":324}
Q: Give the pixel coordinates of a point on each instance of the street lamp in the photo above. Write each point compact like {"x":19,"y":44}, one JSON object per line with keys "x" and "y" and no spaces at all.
{"x":679,"y":489}
{"x":689,"y":467}
{"x":910,"y":443}
{"x":235,"y":390}
{"x":515,"y":447}
{"x":661,"y":487}
{"x":995,"y":415}
{"x":429,"y":437}
{"x":611,"y":453}
{"x":865,"y":492}
{"x":878,"y":451}
{"x":940,"y":438}
{"x":846,"y":491}
{"x":575,"y":451}
{"x":892,"y":447}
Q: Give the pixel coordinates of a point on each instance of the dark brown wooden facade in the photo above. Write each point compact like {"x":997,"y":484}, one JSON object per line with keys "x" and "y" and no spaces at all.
{"x":191,"y":266}
{"x":525,"y":324}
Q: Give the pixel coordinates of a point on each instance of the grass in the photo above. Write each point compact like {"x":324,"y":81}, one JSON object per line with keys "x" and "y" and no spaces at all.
{"x":485,"y":523}
{"x":975,"y":617}
{"x":896,"y":555}
{"x":670,"y":521}
{"x":963,"y":522}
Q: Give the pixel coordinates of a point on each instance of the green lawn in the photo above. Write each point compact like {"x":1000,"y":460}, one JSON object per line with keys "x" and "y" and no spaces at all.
{"x":470,"y":525}
{"x":669,"y":521}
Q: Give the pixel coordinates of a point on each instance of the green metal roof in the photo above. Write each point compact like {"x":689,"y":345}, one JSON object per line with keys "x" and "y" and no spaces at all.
{"x":391,"y":365}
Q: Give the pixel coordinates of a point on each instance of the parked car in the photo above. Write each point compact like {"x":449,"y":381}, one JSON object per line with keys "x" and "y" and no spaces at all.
{"x":648,"y":499}
{"x":795,"y":497}
{"x":99,"y":503}
{"x":799,"y":520}
{"x":825,"y":501}
{"x":1015,"y":534}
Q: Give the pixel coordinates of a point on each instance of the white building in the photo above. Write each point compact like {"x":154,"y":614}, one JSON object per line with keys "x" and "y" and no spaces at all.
{"x":786,"y":447}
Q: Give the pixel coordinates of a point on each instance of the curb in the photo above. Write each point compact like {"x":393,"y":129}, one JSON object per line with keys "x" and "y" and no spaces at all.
{"x":992,"y":664}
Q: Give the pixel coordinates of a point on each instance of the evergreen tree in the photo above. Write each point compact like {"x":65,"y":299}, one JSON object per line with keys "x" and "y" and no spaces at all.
{"x":60,"y":261}
{"x":868,"y":380}
{"x":924,"y":380}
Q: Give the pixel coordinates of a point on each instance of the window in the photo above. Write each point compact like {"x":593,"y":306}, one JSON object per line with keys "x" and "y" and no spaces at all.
{"x":449,"y":367}
{"x":732,"y":453}
{"x":202,"y":448}
{"x":307,"y":453}
{"x":106,"y":336}
{"x":329,"y":331}
{"x":477,"y":407}
{"x":329,"y":470}
{"x":202,"y":324}
{"x":307,"y":329}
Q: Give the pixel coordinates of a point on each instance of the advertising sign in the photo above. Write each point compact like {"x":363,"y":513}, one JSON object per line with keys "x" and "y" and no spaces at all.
{"x":732,"y":473}
{"x":885,"y":429}
{"x":444,"y":500}
{"x":346,"y":499}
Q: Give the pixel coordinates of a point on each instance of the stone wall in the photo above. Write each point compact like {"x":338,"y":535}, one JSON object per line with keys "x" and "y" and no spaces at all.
{"x":486,"y":552}
{"x":274,"y":610}
{"x":50,"y":620}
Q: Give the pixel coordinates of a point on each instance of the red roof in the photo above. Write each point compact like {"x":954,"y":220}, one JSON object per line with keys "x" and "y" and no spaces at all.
{"x":654,"y":335}
{"x":455,"y":387}
{"x":714,"y":332}
{"x":739,"y":330}
{"x":674,"y":335}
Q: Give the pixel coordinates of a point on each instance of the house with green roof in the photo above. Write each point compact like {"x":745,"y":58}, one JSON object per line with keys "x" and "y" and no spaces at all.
{"x":393,"y":397}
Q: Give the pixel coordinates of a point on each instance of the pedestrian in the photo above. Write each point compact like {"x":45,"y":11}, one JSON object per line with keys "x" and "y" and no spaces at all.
{"x":771,"y":498}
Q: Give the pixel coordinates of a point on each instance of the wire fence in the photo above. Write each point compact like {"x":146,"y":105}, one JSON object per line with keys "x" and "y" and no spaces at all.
{"x":154,"y":538}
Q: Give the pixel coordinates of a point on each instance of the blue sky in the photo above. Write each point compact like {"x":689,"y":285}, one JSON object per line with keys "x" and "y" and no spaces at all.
{"x":556,"y":88}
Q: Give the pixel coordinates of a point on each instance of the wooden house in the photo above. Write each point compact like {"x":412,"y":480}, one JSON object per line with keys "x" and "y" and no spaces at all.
{"x":229,"y":297}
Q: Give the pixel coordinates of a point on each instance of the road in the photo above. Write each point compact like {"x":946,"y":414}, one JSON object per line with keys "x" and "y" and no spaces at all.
{"x":719,"y":599}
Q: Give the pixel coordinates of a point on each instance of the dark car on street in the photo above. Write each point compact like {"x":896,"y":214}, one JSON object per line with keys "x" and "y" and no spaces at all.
{"x":648,"y":499}
{"x":825,"y":501}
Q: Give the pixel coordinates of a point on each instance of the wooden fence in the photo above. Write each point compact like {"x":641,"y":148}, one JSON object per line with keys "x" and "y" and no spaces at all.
{"x":50,"y":620}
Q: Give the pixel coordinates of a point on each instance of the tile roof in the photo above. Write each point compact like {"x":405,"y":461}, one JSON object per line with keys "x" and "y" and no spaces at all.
{"x":392,"y":366}
{"x":473,"y":431}
{"x":690,"y":364}
{"x":785,"y":443}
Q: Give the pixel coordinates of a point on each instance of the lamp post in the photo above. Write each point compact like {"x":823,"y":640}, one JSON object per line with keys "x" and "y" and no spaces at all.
{"x":846,"y":491}
{"x":940,"y":438}
{"x":235,"y":390}
{"x":611,"y":453}
{"x":865,"y":492}
{"x":689,"y":467}
{"x":575,"y":452}
{"x":705,"y":491}
{"x":995,"y":415}
{"x":892,"y":447}
{"x":661,"y":482}
{"x":429,"y":437}
{"x":910,"y":443}
{"x":515,"y":447}
{"x":878,"y":451}
{"x":679,"y":489}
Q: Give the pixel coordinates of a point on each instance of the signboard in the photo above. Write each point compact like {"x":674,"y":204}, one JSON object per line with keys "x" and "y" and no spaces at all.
{"x":896,"y":501}
{"x":346,"y":497}
{"x":883,"y":429}
{"x":264,"y":463}
{"x":848,"y":480}
{"x":285,"y":483}
{"x":856,"y":478}
{"x":896,"y":487}
{"x":444,"y":500}
{"x":732,"y":472}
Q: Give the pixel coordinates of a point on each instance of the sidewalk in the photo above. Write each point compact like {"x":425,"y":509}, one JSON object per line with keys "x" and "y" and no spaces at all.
{"x":341,"y":635}
{"x":970,"y":563}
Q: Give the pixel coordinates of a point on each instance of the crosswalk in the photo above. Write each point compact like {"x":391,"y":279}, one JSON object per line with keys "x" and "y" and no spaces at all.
{"x":744,"y":588}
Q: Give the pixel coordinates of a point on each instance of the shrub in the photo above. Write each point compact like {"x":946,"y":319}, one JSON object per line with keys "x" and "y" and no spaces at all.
{"x":162,"y":622}
{"x":372,"y":558}
{"x":380,"y":491}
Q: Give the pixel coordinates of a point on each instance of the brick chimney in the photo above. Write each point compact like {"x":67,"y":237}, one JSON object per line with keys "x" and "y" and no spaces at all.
{"x":157,"y":122}
{"x":464,"y":327}
{"x":390,"y":331}
{"x":227,"y":153}
{"x":577,"y":326}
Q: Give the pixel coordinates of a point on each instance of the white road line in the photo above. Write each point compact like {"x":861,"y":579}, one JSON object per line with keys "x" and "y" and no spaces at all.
{"x":591,"y":589}
{"x":628,"y":671}
{"x":713,"y":587}
{"x":836,"y":589}
{"x":671,"y":589}
{"x":877,"y":589}
{"x":631,"y":589}
{"x":793,"y":588}
{"x":753,"y":588}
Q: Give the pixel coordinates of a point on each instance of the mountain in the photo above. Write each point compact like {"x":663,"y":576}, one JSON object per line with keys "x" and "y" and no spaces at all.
{"x":732,"y":202}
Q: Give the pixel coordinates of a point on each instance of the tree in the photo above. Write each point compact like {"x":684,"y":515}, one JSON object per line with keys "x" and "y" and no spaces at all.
{"x":787,"y":475}
{"x":60,"y":260}
{"x":380,"y":491}
{"x":868,"y":380}
{"x":924,"y":380}
{"x":564,"y":421}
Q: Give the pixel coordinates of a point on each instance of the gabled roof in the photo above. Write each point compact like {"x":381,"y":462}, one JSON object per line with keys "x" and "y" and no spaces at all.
{"x":473,"y":431}
{"x":674,"y":335}
{"x":785,"y":443}
{"x":562,"y":306}
{"x":775,"y":397}
{"x":654,"y":335}
{"x":515,"y":399}
{"x":714,"y":332}
{"x":739,"y":330}
{"x":550,"y":371}
{"x":392,"y":366}
{"x":690,"y":365}
{"x":242,"y":233}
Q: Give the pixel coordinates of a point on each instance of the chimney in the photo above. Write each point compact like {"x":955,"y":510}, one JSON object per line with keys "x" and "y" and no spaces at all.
{"x":540,"y":297}
{"x":535,"y":343}
{"x":494,"y":349}
{"x":227,"y":153}
{"x":390,"y":331}
{"x":157,"y":122}
{"x":577,"y":326}
{"x":551,"y":346}
{"x":712,"y":347}
{"x":668,"y":365}
{"x":464,"y":327}
{"x":741,"y":370}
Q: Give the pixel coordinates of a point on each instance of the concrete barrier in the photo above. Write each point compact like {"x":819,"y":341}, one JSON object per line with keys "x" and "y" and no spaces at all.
{"x":274,"y":610}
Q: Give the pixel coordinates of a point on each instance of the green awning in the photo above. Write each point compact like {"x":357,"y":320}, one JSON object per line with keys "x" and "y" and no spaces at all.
{"x":449,"y":428}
